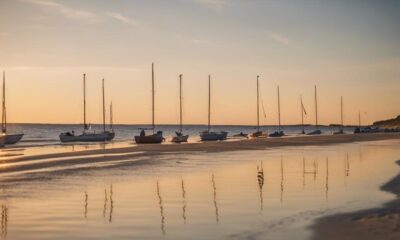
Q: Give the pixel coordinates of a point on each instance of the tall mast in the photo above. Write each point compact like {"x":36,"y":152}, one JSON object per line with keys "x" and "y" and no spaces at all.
{"x":209,"y":102}
{"x":152,"y":96}
{"x":302,"y":112}
{"x":279,"y":111}
{"x":258,"y":106}
{"x":316,"y":106}
{"x":359,"y":119}
{"x":180,"y":102}
{"x":85,"y":127}
{"x":104,"y":109}
{"x":111,"y":117}
{"x":341,"y":111}
{"x":4,"y":118}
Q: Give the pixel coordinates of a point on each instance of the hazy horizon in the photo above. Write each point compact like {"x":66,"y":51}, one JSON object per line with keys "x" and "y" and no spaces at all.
{"x":348,"y":49}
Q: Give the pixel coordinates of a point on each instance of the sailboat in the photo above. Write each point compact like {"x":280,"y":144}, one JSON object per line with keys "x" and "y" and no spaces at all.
{"x":258,"y":133}
{"x":86,"y":135}
{"x":278,"y":133}
{"x":303,"y":111}
{"x":154,"y":137}
{"x":316,"y":131}
{"x":208,"y":135}
{"x":179,"y":135}
{"x":341,"y":118}
{"x":9,"y":138}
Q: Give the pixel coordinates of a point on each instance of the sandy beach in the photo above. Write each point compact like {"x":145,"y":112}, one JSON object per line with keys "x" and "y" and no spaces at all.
{"x":108,"y":153}
{"x":371,"y":224}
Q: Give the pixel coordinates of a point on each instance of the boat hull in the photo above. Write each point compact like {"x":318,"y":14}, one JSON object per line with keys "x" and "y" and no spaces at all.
{"x":259,"y":134}
{"x":13,"y":138}
{"x":277,"y":134}
{"x":88,"y":137}
{"x":2,"y":140}
{"x":213,"y":136}
{"x":180,"y":139}
{"x":154,"y":138}
{"x":315,"y":132}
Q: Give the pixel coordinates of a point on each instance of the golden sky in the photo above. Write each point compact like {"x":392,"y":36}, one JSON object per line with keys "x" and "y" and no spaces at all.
{"x":347,"y":49}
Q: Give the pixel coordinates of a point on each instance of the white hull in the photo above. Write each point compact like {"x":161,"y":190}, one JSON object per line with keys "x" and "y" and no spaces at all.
{"x":87,"y":137}
{"x":213,"y":136}
{"x":180,"y":139}
{"x":13,"y":138}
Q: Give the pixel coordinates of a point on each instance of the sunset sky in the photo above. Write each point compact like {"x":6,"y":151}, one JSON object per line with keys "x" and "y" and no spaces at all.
{"x":346,"y":48}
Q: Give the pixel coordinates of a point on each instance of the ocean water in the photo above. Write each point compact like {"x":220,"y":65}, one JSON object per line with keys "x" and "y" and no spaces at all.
{"x":48,"y":133}
{"x":265,"y":194}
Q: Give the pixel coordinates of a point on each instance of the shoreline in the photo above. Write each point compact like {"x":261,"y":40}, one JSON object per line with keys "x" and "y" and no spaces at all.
{"x":370,"y":224}
{"x":107,"y":154}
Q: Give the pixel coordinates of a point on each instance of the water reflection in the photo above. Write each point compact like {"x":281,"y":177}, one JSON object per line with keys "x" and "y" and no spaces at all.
{"x":215,"y":198}
{"x":307,"y":171}
{"x":86,"y":205}
{"x":111,"y":204}
{"x":260,"y":179}
{"x":105,"y":204}
{"x":327,"y":180}
{"x":160,"y":204}
{"x":4,"y":221}
{"x":183,"y":201}
{"x":282,"y":180}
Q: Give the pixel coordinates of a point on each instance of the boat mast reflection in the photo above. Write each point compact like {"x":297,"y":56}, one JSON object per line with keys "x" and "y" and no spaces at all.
{"x":282,"y":180}
{"x":111,"y":204}
{"x":183,"y":201}
{"x":260,"y":179}
{"x":327,"y":180}
{"x":4,"y":221}
{"x":215,"y":198}
{"x":86,"y":205}
{"x":160,"y":204}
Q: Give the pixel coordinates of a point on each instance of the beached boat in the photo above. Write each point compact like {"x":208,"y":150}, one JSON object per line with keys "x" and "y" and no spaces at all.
{"x":278,"y":133}
{"x":87,"y":135}
{"x":8,"y":138}
{"x":258,"y":133}
{"x":155,"y":137}
{"x":2,"y":140}
{"x":340,"y":131}
{"x":316,"y":131}
{"x":180,"y":137}
{"x":208,"y":135}
{"x":241,"y":135}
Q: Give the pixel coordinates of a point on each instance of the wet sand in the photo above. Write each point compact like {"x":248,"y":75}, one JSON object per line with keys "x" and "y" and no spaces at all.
{"x":371,"y":224}
{"x":108,"y":153}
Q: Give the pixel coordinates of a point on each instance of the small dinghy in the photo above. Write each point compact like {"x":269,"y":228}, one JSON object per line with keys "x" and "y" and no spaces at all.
{"x":278,"y":133}
{"x":2,"y":140}
{"x":259,"y":134}
{"x":152,"y":138}
{"x":340,"y":131}
{"x":315,"y":132}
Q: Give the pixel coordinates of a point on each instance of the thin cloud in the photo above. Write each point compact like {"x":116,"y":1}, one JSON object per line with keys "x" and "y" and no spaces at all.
{"x":65,"y":11}
{"x":279,"y":38}
{"x":216,"y":5}
{"x":124,"y":19}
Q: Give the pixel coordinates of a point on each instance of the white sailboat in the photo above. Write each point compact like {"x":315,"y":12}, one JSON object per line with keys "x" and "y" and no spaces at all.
{"x":88,"y":136}
{"x":155,"y":137}
{"x":179,"y":135}
{"x":208,"y":135}
{"x":341,"y":131}
{"x":278,"y":133}
{"x":9,"y":138}
{"x":258,"y":133}
{"x":316,"y":131}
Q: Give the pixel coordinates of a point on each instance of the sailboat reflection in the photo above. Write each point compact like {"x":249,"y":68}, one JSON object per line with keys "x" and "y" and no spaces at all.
{"x":282,"y":180}
{"x":160,"y":204}
{"x":111,"y":204}
{"x":215,"y":198}
{"x":183,"y":201}
{"x":260,"y":179}
{"x":327,"y":180}
{"x":86,"y":205}
{"x":105,"y":203}
{"x":4,"y":221}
